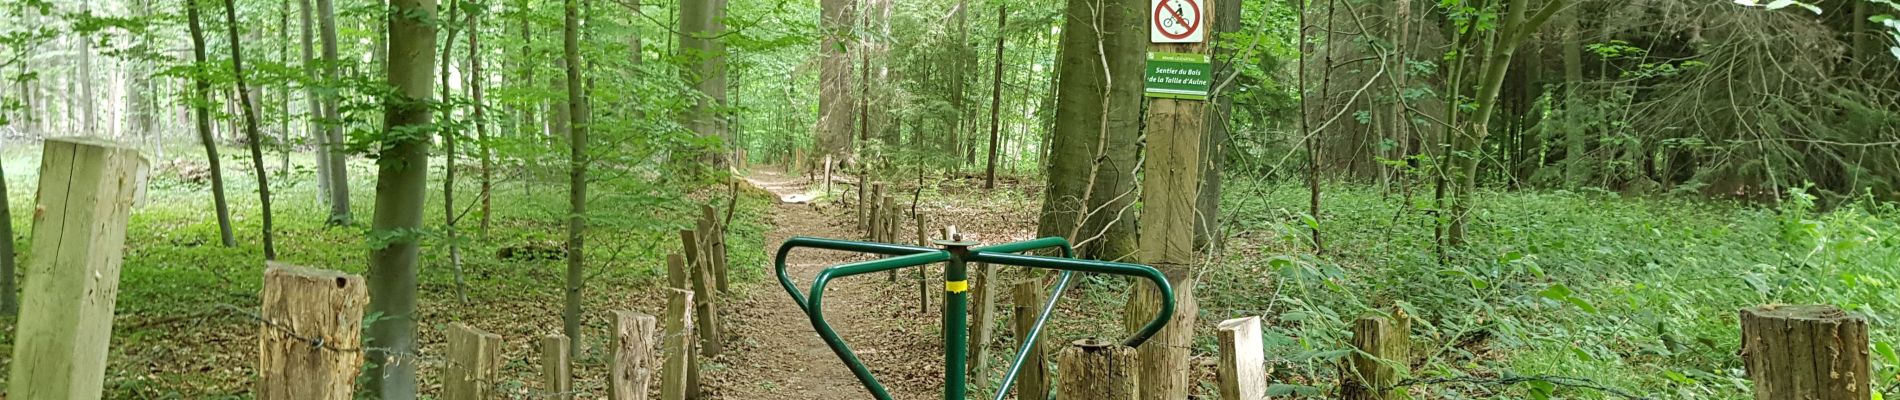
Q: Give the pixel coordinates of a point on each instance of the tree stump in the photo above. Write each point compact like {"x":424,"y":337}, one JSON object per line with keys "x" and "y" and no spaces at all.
{"x":474,"y":363}
{"x":1384,"y":346}
{"x":557,"y":375}
{"x":302,"y":305}
{"x":679,"y":378}
{"x":1097,"y":370}
{"x":1164,"y":358}
{"x":1806,"y":352}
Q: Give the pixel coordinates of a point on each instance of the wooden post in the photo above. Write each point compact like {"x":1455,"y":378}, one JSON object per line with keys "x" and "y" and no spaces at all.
{"x":705,"y":283}
{"x":301,"y":305}
{"x":1097,"y":370}
{"x":710,"y":237}
{"x":1384,"y":346}
{"x":1033,"y":381}
{"x":689,"y":246}
{"x":1242,"y":363}
{"x":86,"y":192}
{"x":678,"y":378}
{"x":719,"y":254}
{"x":1806,"y":352}
{"x":827,"y":175}
{"x":982,"y":319}
{"x":474,"y":363}
{"x":676,"y":272}
{"x":1171,"y":186}
{"x":875,"y":206}
{"x":556,"y":369}
{"x":631,"y":367}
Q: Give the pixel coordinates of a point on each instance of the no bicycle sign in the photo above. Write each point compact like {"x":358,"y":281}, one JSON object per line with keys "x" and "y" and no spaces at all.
{"x":1177,"y":21}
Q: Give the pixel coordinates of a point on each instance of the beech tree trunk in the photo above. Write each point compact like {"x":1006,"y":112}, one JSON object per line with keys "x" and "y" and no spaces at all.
{"x":1090,"y":195}
{"x":577,"y":173}
{"x":202,"y":108}
{"x":401,"y":184}
{"x":996,"y":96}
{"x":333,"y":154}
{"x":255,"y":138}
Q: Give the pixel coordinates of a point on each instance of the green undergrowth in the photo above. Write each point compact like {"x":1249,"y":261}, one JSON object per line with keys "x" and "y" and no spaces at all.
{"x":181,"y":329}
{"x":1573,"y":290}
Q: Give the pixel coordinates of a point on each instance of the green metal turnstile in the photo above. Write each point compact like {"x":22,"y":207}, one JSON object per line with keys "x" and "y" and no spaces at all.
{"x":956,"y":286}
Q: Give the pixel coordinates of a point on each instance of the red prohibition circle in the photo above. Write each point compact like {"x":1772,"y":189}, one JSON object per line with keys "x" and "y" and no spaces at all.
{"x":1163,"y":7}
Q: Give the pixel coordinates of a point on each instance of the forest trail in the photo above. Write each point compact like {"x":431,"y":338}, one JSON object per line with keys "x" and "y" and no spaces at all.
{"x":779,"y":356}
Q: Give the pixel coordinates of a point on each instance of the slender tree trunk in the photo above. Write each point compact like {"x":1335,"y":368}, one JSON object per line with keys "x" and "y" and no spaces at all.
{"x":449,"y":138}
{"x":996,"y":96}
{"x":1470,"y":140}
{"x":339,"y":170}
{"x":283,"y":88}
{"x":577,"y":173}
{"x":475,"y":81}
{"x":201,"y":104}
{"x":256,"y":138}
{"x":1207,"y":228}
{"x":89,"y":116}
{"x":959,"y":78}
{"x":401,"y":184}
{"x":9,"y":304}
{"x":313,"y":105}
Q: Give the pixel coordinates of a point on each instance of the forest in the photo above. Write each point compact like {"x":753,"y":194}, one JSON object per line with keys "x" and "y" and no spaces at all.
{"x":1308,"y":199}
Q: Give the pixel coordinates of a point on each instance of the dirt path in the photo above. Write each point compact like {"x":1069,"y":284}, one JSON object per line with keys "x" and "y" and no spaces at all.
{"x":778,"y":355}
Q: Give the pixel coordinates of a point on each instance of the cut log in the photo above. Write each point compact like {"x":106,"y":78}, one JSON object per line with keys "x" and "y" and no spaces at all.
{"x":1097,"y":370}
{"x":1806,"y":352}
{"x":312,"y":330}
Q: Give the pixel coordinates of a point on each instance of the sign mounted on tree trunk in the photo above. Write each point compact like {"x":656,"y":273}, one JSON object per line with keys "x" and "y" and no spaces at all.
{"x":1181,"y":76}
{"x":1177,"y":21}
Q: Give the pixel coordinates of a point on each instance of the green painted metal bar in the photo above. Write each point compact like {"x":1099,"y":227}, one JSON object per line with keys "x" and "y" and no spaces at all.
{"x":1101,"y":267}
{"x":802,"y":242}
{"x":956,"y":314}
{"x":816,"y":309}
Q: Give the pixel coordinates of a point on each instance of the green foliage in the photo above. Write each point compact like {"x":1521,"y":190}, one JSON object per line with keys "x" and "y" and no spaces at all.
{"x":1638,"y":295}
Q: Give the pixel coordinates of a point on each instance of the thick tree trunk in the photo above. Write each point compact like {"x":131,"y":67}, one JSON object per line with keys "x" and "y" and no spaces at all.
{"x":338,"y":160}
{"x":834,"y":92}
{"x":577,"y":173}
{"x":1091,"y":191}
{"x":401,"y":184}
{"x":996,"y":96}
{"x":255,"y":138}
{"x":202,"y":107}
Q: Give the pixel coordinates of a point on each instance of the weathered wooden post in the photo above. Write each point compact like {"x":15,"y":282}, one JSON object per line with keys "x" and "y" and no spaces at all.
{"x":1033,"y":381}
{"x":874,"y":206}
{"x":1178,"y":83}
{"x":86,"y":192}
{"x":1806,"y":352}
{"x":982,"y":319}
{"x":676,"y":272}
{"x":1384,"y":350}
{"x":710,"y":236}
{"x":631,"y":367}
{"x":1242,"y":364}
{"x":556,"y":369}
{"x":474,"y":363}
{"x":719,"y":255}
{"x":705,"y":286}
{"x":313,"y":326}
{"x":678,"y":375}
{"x":1097,"y":370}
{"x":827,"y":175}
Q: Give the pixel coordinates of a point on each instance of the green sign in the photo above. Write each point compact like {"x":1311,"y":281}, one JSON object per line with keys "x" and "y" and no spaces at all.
{"x":1179,"y":76}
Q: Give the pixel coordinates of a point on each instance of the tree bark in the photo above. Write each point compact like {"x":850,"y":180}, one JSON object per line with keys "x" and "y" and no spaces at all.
{"x":476,"y":81}
{"x":577,"y":172}
{"x":996,"y":96}
{"x":338,"y":160}
{"x":834,"y":94}
{"x":201,"y":104}
{"x":1091,"y":190}
{"x":1516,"y":25}
{"x":401,"y":184}
{"x":1207,"y":229}
{"x":255,"y":138}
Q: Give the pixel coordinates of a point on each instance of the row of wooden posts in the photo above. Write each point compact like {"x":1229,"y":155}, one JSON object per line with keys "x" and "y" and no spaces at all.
{"x":310,"y":319}
{"x":312,"y":322}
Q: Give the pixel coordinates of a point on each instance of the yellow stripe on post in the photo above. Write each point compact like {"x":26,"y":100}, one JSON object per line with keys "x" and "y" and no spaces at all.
{"x":956,"y":286}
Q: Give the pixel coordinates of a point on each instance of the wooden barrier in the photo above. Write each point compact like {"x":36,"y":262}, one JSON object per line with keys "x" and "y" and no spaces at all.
{"x":700,"y":276}
{"x":982,"y":319}
{"x":678,"y":374}
{"x":474,"y":363}
{"x":873,"y":206}
{"x":1097,"y":370}
{"x":1033,"y":381}
{"x":556,"y":369}
{"x":1384,"y":347}
{"x":313,"y":326}
{"x":86,"y":192}
{"x":1242,"y":361}
{"x":631,"y":367}
{"x":712,"y":238}
{"x":1806,"y":352}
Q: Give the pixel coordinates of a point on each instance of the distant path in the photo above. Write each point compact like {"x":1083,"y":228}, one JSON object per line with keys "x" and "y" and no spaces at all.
{"x":777,"y":354}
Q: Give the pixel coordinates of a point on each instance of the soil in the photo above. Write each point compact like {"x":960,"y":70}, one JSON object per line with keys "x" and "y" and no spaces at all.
{"x":778,"y":355}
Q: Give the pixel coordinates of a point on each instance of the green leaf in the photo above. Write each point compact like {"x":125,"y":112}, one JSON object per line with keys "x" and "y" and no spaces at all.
{"x":1556,"y":291}
{"x":1886,"y":352}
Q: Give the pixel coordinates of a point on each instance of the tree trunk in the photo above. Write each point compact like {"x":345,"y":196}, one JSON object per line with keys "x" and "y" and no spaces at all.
{"x":87,"y":100}
{"x":834,"y":92}
{"x":996,"y":96}
{"x":1207,"y":230}
{"x":577,"y":172}
{"x":313,"y":106}
{"x":338,"y":160}
{"x":255,"y":138}
{"x":9,"y":304}
{"x":202,"y":107}
{"x":476,"y":81}
{"x":1092,"y":158}
{"x":959,"y":78}
{"x":449,"y":138}
{"x":1576,"y":165}
{"x":1470,"y":140}
{"x":401,"y":184}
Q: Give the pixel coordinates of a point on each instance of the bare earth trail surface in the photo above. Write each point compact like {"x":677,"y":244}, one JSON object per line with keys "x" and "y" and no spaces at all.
{"x":778,"y":355}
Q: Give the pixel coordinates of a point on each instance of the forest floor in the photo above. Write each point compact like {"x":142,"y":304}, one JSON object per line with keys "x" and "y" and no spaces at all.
{"x":781,"y":356}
